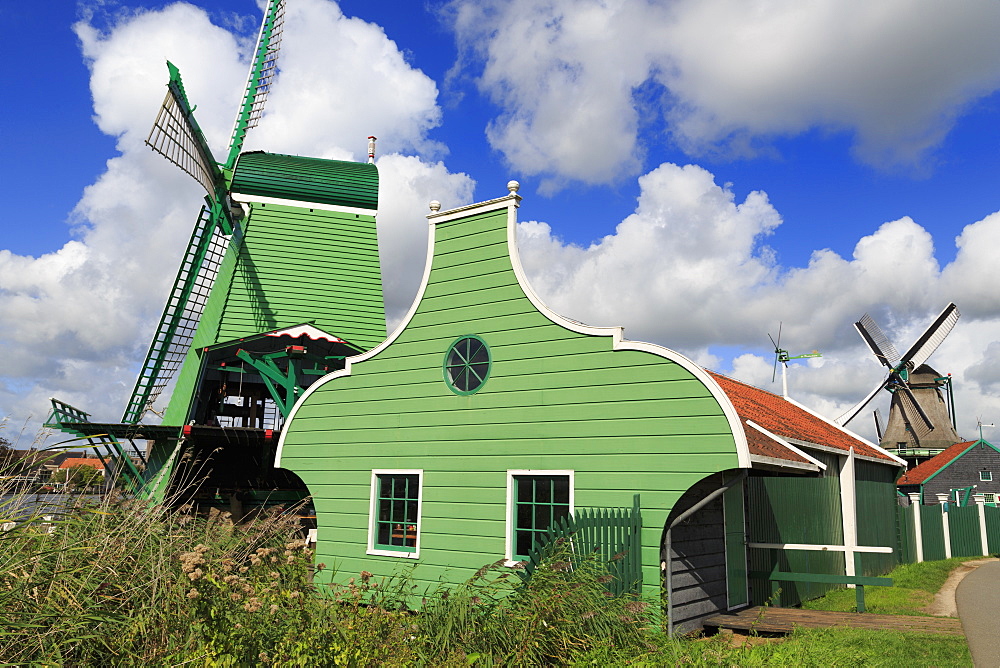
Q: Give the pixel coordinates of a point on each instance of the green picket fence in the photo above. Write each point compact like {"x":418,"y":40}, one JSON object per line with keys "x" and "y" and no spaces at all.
{"x":946,"y":531}
{"x":609,"y":534}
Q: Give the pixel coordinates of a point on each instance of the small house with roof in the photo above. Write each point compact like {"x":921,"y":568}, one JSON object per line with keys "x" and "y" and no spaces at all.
{"x":486,"y":418}
{"x":964,"y":473}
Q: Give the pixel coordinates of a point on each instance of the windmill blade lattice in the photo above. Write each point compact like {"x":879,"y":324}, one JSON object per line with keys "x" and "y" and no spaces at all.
{"x":176,"y":136}
{"x":181,"y":314}
{"x":877,"y":341}
{"x":932,"y":337}
{"x":263,"y":70}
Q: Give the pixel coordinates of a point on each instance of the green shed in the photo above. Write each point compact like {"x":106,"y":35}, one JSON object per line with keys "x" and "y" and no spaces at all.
{"x":485,"y":417}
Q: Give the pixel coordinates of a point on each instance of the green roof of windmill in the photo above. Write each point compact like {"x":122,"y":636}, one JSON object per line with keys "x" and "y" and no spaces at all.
{"x":292,"y":177}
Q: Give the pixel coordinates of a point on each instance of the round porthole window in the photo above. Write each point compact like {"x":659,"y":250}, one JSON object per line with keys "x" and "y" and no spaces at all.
{"x":467,"y":365}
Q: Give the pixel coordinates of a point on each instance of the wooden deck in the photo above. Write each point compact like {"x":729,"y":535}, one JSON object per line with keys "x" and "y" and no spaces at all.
{"x":782,"y":620}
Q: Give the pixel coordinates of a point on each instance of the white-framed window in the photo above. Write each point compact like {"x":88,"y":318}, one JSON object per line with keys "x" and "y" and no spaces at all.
{"x":535,"y":500}
{"x":986,"y":476}
{"x":395,"y":512}
{"x":989,"y":497}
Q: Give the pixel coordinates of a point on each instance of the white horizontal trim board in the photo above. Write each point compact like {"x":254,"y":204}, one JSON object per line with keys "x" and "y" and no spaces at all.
{"x":821,"y":548}
{"x":260,"y":199}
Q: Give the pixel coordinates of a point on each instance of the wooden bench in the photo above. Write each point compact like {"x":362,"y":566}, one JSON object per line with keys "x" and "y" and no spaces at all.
{"x":859,"y":582}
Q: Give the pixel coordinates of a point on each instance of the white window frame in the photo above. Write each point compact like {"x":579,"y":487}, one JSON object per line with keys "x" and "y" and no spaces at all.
{"x":986,"y":476}
{"x":511,"y":474}
{"x":373,"y":513}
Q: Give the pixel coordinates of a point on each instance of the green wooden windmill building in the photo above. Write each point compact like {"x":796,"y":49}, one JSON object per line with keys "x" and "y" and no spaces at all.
{"x":279,"y":283}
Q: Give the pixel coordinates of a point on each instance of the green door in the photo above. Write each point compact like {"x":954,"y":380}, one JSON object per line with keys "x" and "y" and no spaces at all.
{"x":736,"y":546}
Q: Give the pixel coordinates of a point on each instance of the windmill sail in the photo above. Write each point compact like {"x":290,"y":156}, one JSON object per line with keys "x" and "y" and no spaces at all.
{"x":177,"y":137}
{"x":263,"y":70}
{"x":925,"y":346}
{"x":877,"y":341}
{"x":181,"y":314}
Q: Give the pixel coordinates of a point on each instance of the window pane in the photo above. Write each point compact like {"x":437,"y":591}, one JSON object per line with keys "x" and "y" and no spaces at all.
{"x":523,"y":516}
{"x":523,"y":543}
{"x":479,"y":354}
{"x":538,"y":502}
{"x":560,"y":485}
{"x":543,"y":517}
{"x":525,"y":489}
{"x":543,"y":490}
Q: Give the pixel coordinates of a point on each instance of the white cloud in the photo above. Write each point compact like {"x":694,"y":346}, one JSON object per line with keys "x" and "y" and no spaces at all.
{"x":571,"y":76}
{"x":75,"y":323}
{"x":689,"y":267}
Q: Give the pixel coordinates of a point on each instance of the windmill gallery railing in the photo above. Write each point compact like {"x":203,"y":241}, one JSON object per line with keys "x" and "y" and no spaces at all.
{"x":608,"y":535}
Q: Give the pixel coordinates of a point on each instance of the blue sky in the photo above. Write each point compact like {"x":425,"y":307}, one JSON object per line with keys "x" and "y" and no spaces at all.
{"x":695,"y":171}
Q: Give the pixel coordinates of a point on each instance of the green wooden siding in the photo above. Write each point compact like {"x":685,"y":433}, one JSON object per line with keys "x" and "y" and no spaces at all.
{"x":736,"y":550}
{"x":293,"y":265}
{"x":907,"y":537}
{"x":313,"y":180}
{"x":875,"y":510}
{"x":297,"y":265}
{"x":624,"y":421}
{"x":795,"y":509}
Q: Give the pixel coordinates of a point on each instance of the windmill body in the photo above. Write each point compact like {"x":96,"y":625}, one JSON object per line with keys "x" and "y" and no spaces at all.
{"x":279,"y":284}
{"x":900,"y":435}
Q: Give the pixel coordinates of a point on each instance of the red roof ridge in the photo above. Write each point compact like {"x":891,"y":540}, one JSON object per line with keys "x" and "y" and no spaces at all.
{"x":791,"y":420}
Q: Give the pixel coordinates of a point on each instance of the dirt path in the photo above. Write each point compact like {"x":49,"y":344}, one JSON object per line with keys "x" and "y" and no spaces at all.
{"x":944,"y":602}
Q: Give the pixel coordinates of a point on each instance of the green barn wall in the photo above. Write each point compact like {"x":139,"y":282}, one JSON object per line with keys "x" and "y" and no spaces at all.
{"x":625,"y":421}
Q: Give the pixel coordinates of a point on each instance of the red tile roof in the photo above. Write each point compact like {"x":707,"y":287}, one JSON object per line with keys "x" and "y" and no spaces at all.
{"x":919,"y":474}
{"x":84,"y":461}
{"x":787,"y":420}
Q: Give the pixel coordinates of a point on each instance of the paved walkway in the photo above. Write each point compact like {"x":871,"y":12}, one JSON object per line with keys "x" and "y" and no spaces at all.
{"x":978,"y":602}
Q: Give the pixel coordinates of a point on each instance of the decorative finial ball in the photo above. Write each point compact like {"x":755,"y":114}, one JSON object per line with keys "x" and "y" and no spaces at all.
{"x":513,"y":186}
{"x":435,"y":205}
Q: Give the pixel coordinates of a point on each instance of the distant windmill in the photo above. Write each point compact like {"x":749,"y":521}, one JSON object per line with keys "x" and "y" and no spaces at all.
{"x":919,"y":416}
{"x":781,"y":355}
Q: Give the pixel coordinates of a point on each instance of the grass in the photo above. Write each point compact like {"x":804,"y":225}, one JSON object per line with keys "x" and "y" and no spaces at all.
{"x":121,"y":583}
{"x":914,"y":587}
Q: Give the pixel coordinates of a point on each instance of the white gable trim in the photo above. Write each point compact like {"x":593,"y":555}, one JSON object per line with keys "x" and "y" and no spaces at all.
{"x":778,"y":439}
{"x":619,"y":342}
{"x":617,"y":334}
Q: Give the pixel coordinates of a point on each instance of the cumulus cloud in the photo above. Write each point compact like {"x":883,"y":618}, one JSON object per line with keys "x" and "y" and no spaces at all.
{"x":690,"y":269}
{"x":75,"y":323}
{"x":572,"y":76}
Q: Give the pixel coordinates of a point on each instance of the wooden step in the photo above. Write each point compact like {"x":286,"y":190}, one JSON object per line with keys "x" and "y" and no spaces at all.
{"x":783,"y":620}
